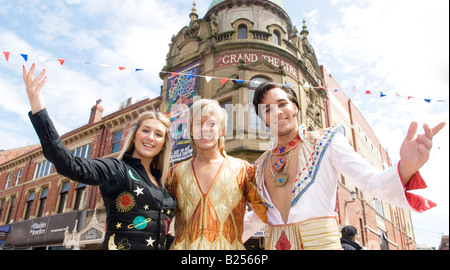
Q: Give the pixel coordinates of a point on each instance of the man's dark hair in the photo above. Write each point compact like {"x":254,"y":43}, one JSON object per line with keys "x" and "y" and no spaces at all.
{"x":262,"y":90}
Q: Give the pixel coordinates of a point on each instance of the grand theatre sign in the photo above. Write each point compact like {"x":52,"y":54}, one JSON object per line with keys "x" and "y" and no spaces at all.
{"x":234,"y":59}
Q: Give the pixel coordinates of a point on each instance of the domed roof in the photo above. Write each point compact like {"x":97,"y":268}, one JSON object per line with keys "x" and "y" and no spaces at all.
{"x":276,"y":2}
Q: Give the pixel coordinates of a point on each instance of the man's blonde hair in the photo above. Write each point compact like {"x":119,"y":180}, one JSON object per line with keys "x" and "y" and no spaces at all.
{"x":208,"y":107}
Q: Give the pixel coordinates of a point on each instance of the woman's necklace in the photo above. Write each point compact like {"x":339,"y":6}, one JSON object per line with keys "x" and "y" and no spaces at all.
{"x":281,"y":163}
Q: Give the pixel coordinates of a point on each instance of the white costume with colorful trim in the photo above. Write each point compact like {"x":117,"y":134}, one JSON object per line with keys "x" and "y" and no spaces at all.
{"x":311,"y":222}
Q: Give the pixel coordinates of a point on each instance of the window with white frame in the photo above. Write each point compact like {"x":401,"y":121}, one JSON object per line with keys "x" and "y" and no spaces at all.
{"x":19,"y":176}
{"x":117,"y":138}
{"x":82,"y":151}
{"x":43,"y":168}
{"x":8,"y":180}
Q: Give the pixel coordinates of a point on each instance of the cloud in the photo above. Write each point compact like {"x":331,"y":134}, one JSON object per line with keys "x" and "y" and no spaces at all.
{"x":392,"y":43}
{"x":117,"y":33}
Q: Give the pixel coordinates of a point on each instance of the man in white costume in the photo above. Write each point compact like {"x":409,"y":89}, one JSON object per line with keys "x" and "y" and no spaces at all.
{"x":297,"y":178}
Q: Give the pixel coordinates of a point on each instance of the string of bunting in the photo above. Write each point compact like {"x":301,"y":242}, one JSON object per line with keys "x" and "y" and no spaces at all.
{"x":209,"y":78}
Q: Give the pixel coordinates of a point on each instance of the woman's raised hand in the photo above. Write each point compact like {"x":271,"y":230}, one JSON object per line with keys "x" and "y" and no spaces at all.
{"x":34,"y":87}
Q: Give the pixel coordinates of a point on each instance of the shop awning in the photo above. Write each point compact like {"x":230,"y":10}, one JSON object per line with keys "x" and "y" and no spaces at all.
{"x":44,"y":231}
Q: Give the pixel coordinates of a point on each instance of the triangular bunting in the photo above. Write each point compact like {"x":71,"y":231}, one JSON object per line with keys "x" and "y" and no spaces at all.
{"x":240,"y":81}
{"x":42,"y":59}
{"x":139,"y":69}
{"x":368,"y":92}
{"x":61,"y":61}
{"x":122,"y":68}
{"x":224,"y":80}
{"x":428,"y":100}
{"x":381,"y":94}
{"x":208,"y":79}
{"x":25,"y":57}
{"x":174,"y":74}
{"x":6,"y":56}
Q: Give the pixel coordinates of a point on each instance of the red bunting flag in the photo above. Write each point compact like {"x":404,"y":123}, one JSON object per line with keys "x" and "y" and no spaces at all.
{"x":6,"y":56}
{"x":368,"y":92}
{"x":61,"y":61}
{"x":410,"y":97}
{"x":224,"y":81}
{"x":174,"y":74}
{"x":122,"y":68}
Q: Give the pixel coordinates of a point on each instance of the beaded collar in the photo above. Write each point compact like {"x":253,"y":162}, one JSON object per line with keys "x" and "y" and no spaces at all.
{"x":277,"y":151}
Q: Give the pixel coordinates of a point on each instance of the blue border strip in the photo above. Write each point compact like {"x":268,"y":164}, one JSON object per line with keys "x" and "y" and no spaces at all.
{"x":294,"y":202}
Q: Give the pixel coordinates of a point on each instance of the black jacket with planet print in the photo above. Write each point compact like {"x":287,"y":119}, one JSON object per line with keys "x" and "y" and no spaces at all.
{"x":138,"y":212}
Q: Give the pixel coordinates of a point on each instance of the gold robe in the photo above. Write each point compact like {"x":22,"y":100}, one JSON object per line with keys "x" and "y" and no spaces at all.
{"x":213,"y":221}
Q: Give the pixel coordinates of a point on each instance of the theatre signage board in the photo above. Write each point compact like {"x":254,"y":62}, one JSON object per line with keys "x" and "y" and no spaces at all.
{"x":234,"y":59}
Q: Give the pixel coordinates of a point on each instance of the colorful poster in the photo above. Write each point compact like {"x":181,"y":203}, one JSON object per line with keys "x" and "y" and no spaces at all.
{"x":181,"y":90}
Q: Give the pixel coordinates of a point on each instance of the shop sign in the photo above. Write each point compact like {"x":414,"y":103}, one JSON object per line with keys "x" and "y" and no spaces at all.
{"x":4,"y":230}
{"x":43,"y":231}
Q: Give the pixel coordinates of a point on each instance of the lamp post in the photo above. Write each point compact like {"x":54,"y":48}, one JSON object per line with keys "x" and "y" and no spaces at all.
{"x":353,"y":193}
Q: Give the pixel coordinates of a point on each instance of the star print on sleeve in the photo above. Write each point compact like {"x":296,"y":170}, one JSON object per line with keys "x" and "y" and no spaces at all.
{"x":138,"y":191}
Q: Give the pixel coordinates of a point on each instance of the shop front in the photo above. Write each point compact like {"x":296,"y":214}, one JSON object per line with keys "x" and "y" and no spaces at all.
{"x":43,"y":233}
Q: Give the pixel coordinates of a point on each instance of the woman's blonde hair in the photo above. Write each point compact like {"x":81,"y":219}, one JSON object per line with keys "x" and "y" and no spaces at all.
{"x":208,"y":107}
{"x":162,"y":161}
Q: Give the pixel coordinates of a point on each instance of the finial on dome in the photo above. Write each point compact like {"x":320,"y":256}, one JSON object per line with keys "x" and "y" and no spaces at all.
{"x":194,"y":15}
{"x":304,"y":31}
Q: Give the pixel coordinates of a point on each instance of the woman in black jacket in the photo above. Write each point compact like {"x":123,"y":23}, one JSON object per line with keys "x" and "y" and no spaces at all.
{"x":139,"y":209}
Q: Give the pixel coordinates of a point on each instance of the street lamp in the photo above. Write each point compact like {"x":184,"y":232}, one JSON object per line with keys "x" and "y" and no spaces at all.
{"x":353,"y":193}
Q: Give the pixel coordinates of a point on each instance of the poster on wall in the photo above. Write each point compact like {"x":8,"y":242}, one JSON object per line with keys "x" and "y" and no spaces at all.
{"x":181,"y":90}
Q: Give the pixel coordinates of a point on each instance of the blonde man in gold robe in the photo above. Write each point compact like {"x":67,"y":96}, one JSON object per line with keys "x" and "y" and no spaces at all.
{"x":212,"y":189}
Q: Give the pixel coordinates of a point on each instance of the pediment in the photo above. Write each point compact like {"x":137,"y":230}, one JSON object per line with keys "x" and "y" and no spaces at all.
{"x":262,"y":65}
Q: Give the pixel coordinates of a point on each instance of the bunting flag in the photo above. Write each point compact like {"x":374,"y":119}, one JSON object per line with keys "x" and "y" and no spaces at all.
{"x":208,"y":79}
{"x":25,"y":57}
{"x":6,"y":56}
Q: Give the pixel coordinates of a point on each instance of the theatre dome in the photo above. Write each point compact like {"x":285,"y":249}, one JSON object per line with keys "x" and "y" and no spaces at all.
{"x":277,"y":2}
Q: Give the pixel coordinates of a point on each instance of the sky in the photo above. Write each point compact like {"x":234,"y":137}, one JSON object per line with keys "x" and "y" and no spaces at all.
{"x":394,"y":46}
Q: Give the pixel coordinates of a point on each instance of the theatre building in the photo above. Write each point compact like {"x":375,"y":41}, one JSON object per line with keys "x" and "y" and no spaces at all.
{"x":225,"y":56}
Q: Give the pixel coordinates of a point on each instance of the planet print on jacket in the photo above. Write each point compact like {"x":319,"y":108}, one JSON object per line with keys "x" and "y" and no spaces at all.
{"x":139,"y":223}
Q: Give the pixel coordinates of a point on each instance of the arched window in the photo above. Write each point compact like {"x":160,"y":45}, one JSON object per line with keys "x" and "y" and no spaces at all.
{"x":242,"y":31}
{"x":255,"y":122}
{"x":276,"y":37}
